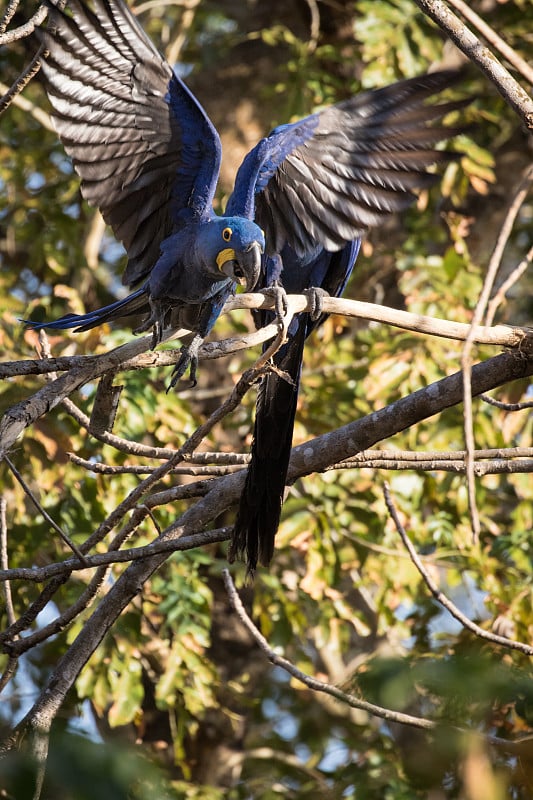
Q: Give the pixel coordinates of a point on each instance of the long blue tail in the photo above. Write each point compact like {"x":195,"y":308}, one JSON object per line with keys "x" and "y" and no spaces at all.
{"x":262,"y":497}
{"x":134,"y":303}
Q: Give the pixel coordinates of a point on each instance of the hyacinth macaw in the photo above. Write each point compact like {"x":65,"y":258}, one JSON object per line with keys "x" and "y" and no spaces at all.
{"x":149,"y":158}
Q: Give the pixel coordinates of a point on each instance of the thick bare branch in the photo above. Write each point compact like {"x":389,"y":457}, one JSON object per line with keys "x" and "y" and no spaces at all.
{"x":119,"y":360}
{"x":127,"y":356}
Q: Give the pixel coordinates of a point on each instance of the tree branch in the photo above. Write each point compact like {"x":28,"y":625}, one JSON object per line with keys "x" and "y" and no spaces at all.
{"x":490,"y":35}
{"x":10,"y":612}
{"x":333,"y":691}
{"x":127,"y":356}
{"x":510,"y":281}
{"x":46,"y":516}
{"x":318,"y":454}
{"x":440,"y":597}
{"x":513,"y":208}
{"x":482,"y":56}
{"x":138,"y":355}
{"x":313,"y":683}
{"x":189,"y":542}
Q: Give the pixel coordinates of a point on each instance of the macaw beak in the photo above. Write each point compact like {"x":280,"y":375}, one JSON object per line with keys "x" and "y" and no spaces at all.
{"x":242,"y":266}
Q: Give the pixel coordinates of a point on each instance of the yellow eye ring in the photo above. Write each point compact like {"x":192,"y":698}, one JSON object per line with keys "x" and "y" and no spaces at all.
{"x":227,"y":233}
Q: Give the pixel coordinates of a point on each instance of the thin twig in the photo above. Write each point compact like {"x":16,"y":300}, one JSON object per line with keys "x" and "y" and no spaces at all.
{"x":22,"y":81}
{"x":141,"y":8}
{"x":327,"y":688}
{"x":466,"y":360}
{"x":8,"y":672}
{"x":506,"y":406}
{"x":504,"y":467}
{"x":75,"y":549}
{"x":499,"y":296}
{"x":309,"y":681}
{"x":190,"y":542}
{"x":4,"y":562}
{"x":109,"y":469}
{"x":8,"y":15}
{"x":481,"y":55}
{"x":389,"y":551}
{"x":439,"y":596}
{"x":314,"y":32}
{"x":118,"y":442}
{"x":490,"y":35}
{"x":441,"y":455}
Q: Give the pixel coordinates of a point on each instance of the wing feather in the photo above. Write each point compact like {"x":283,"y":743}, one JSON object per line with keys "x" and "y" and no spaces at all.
{"x":349,"y":166}
{"x":144,"y":148}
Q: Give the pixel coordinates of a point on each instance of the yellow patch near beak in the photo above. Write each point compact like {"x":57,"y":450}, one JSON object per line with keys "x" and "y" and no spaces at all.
{"x":228,"y":254}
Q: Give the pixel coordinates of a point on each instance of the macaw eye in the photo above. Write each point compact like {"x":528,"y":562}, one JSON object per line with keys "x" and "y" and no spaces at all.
{"x":227,"y":233}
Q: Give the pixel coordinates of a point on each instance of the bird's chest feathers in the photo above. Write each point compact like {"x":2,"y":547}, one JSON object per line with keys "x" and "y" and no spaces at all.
{"x":182,"y":274}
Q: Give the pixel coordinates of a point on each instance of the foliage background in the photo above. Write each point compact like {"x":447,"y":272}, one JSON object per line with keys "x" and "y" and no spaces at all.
{"x":185,"y":703}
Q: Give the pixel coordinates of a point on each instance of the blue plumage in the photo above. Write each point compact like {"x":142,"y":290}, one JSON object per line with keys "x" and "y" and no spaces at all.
{"x":149,"y":157}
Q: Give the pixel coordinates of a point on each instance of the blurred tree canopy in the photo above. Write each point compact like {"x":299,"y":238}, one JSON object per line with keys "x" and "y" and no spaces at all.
{"x":177,"y":700}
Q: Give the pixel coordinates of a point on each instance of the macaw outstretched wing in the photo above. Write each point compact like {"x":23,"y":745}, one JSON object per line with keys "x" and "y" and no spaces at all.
{"x":143,"y":146}
{"x":327,"y":179}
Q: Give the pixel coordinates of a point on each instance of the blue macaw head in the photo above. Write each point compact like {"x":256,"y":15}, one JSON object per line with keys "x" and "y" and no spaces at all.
{"x":233,"y":246}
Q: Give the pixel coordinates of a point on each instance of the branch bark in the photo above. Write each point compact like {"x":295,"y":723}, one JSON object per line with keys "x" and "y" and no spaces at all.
{"x":482,"y":56}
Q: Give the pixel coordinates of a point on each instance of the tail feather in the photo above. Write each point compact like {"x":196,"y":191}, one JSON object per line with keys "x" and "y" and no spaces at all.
{"x":135,"y":303}
{"x":262,"y":497}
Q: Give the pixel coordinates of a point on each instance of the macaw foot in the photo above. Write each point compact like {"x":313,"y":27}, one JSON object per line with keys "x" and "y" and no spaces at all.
{"x":316,"y":296}
{"x":279,"y":295}
{"x":155,"y":321}
{"x":188,"y":358}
